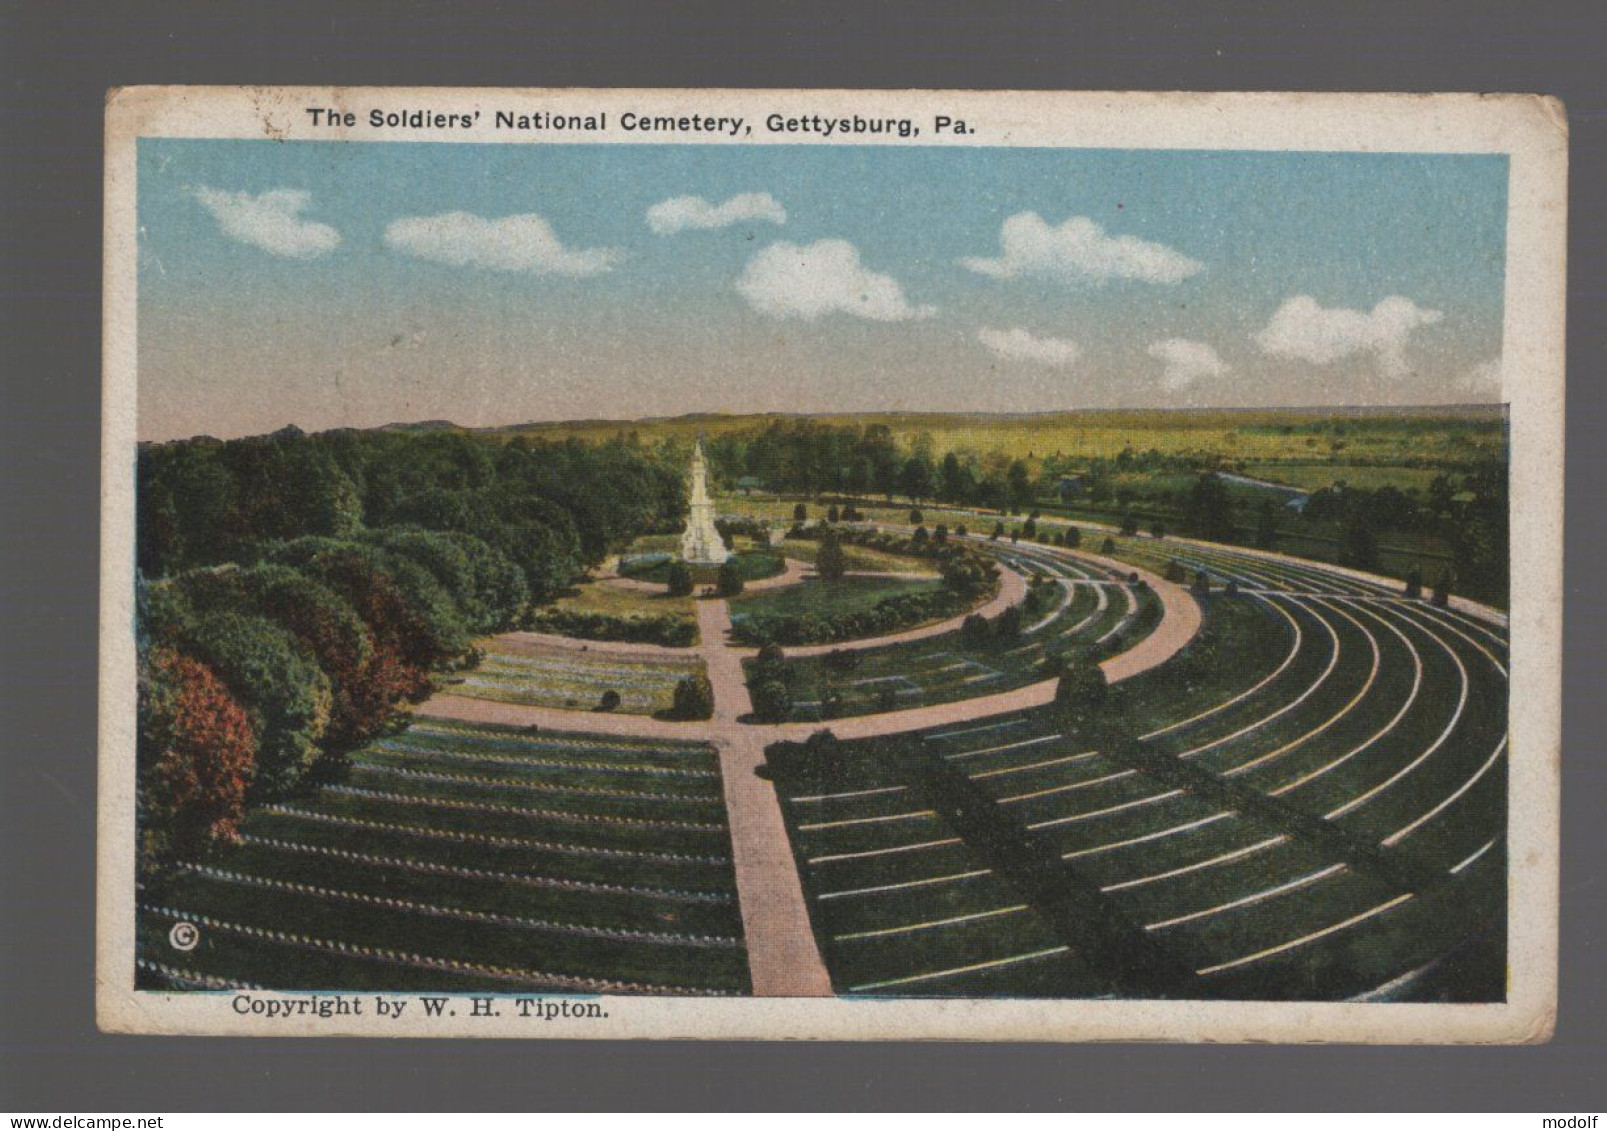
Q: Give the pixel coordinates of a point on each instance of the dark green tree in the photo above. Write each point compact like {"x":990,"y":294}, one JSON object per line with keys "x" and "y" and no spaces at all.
{"x":1208,"y":509}
{"x":694,"y":698}
{"x":1082,"y":698}
{"x":1266,"y":525}
{"x":1018,"y":482}
{"x":772,"y":700}
{"x":730,"y":582}
{"x":917,"y":479}
{"x":830,"y":561}
{"x":1359,"y":540}
{"x":1442,"y":589}
{"x":679,"y":578}
{"x":1414,"y":584}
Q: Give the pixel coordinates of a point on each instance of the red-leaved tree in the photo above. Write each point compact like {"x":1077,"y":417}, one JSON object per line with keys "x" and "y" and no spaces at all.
{"x":197,"y":755}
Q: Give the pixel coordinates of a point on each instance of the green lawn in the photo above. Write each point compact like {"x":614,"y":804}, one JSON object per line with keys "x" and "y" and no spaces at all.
{"x":624,"y":601}
{"x":519,"y":671}
{"x":826,"y":598}
{"x":1315,"y":476}
{"x":861,"y":558}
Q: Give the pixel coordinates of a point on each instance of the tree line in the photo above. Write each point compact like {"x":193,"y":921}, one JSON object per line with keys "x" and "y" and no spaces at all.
{"x":293,"y":591}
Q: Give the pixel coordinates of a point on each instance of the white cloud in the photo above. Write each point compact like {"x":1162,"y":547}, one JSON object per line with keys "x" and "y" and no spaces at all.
{"x":1079,"y":251}
{"x":1186,"y":362}
{"x":270,"y":221}
{"x":680,"y":213}
{"x":512,"y":243}
{"x":788,"y":280}
{"x":1305,"y":331}
{"x":1020,"y":345}
{"x":1484,"y":381}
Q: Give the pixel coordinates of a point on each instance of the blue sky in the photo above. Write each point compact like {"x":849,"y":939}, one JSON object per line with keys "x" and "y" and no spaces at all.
{"x":317,"y":283}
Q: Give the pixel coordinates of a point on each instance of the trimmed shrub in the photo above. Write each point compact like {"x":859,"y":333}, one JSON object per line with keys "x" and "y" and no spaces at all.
{"x":976,"y":631}
{"x":1442,"y":589}
{"x":1040,"y":597}
{"x":730,"y":581}
{"x":694,"y":698}
{"x":1414,"y":584}
{"x":842,"y":660}
{"x":1007,"y":625}
{"x":609,"y":701}
{"x":830,"y":561}
{"x":772,"y":700}
{"x":680,"y":579}
{"x":1082,"y":695}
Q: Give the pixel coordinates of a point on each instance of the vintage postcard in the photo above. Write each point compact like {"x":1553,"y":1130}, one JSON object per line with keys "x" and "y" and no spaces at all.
{"x":831,"y":565}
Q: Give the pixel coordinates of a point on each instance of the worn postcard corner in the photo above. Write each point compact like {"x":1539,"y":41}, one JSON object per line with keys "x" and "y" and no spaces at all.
{"x":831,"y":565}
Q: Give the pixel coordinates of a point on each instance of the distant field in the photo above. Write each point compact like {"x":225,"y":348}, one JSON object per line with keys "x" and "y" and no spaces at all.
{"x":1316,"y":476}
{"x":1455,"y":434}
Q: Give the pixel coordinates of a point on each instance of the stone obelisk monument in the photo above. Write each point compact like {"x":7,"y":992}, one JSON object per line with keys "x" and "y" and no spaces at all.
{"x":701,"y":545}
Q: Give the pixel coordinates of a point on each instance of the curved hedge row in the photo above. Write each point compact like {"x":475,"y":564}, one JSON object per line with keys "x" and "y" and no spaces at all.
{"x":256,"y":681}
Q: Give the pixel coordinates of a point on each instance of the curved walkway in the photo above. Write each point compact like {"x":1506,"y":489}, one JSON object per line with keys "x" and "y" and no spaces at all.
{"x":1180,"y":620}
{"x":783,"y":957}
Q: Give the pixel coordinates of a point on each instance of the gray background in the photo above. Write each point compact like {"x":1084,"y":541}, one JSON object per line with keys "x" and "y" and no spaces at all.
{"x":57,"y":59}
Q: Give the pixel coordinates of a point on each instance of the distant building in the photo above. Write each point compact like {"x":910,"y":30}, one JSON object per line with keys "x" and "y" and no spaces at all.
{"x":748,"y":484}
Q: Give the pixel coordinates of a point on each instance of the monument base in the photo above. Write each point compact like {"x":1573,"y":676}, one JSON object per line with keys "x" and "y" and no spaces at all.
{"x":704,"y":573}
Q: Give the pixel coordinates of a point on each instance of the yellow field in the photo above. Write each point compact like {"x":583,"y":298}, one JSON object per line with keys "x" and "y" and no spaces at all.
{"x":1304,"y":435}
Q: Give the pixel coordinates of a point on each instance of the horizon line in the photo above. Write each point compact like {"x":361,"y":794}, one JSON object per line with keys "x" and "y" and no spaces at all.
{"x":441,"y":425}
